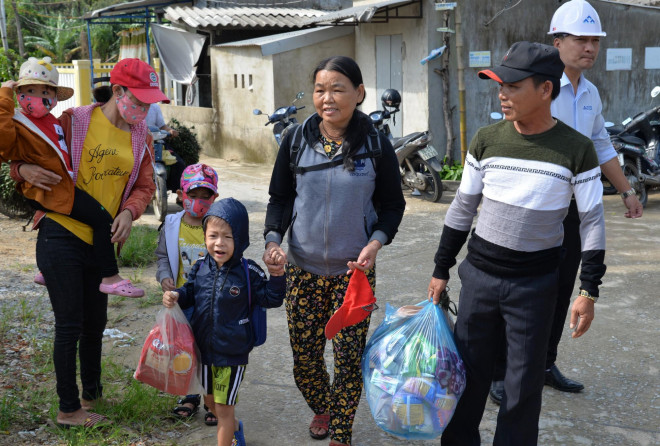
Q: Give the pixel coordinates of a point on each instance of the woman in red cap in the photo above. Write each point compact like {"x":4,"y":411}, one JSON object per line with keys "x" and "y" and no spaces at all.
{"x":112,"y":155}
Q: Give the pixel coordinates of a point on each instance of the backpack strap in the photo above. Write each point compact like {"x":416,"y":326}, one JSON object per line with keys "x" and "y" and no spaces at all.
{"x":374,"y":151}
{"x":247,"y":278}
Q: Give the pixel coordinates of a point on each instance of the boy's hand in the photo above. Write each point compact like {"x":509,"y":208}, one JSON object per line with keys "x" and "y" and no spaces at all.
{"x":170,"y":298}
{"x":9,"y":84}
{"x":167,"y":284}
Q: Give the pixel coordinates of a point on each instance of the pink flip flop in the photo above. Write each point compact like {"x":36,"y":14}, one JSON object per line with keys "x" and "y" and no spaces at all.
{"x":124,"y":288}
{"x":39,"y":279}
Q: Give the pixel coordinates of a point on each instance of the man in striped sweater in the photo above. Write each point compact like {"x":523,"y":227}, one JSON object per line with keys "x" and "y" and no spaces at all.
{"x":523,"y":171}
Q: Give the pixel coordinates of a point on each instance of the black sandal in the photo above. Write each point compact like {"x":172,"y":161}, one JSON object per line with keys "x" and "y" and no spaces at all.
{"x":187,"y":411}
{"x":207,"y":417}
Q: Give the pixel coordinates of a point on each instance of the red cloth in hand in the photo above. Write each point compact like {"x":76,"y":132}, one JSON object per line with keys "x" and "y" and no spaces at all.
{"x":359,"y":301}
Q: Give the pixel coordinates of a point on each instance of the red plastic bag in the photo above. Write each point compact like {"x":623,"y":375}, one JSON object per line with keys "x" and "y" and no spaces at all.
{"x":169,"y":358}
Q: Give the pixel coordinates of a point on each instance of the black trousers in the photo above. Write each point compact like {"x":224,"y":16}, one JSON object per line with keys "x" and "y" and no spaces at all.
{"x":89,"y":211}
{"x":72,"y":279}
{"x":491,"y":308}
{"x":568,"y":269}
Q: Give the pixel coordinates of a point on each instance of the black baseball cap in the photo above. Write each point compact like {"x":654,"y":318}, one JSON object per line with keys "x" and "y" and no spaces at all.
{"x":525,"y":59}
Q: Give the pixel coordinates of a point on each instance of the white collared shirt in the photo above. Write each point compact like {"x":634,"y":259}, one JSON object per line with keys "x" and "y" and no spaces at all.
{"x":583,"y":112}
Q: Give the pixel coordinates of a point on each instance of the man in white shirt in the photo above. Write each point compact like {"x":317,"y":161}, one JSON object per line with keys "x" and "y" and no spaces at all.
{"x":155,"y":119}
{"x":576,"y":29}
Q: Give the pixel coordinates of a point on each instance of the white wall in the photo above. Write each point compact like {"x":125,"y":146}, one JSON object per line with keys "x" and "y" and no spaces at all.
{"x":415,"y":94}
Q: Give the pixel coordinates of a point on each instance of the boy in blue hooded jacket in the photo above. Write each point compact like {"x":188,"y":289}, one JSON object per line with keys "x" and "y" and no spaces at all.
{"x":217,"y":288}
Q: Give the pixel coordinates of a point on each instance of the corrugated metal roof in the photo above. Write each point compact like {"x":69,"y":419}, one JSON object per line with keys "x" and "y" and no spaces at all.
{"x":242,"y":17}
{"x":278,"y":43}
{"x":356,"y":14}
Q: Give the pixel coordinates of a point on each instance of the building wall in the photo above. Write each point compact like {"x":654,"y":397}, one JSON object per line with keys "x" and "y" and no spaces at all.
{"x":238,"y":133}
{"x":624,"y":93}
{"x":200,"y":118}
{"x":276,"y":79}
{"x":414,"y":97}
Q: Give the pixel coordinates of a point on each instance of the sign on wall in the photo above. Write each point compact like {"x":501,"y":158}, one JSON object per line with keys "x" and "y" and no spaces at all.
{"x":619,"y":59}
{"x":652,"y":58}
{"x":479,"y":59}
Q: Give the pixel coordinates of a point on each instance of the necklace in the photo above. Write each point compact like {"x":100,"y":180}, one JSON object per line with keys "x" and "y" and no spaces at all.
{"x":338,"y":138}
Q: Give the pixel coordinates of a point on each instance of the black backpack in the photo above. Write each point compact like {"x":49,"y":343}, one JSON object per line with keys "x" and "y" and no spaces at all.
{"x":297,"y":147}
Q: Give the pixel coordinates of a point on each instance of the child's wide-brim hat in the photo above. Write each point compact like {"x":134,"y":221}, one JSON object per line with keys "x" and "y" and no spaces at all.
{"x":42,"y":72}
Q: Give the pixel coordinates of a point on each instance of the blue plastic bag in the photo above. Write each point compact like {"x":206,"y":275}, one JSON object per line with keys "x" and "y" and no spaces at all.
{"x":413,"y":375}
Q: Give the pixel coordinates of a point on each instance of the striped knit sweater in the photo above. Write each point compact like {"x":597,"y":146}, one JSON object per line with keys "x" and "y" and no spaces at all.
{"x":526,"y":183}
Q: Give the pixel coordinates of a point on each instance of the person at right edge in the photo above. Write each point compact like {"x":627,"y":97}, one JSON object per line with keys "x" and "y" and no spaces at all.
{"x":576,"y":31}
{"x":523,"y":171}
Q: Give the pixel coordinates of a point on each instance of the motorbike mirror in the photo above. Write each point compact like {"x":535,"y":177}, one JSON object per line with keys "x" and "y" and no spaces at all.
{"x":256,"y":111}
{"x":300,"y":95}
{"x":609,"y":124}
{"x":655,"y":91}
{"x":496,"y":115}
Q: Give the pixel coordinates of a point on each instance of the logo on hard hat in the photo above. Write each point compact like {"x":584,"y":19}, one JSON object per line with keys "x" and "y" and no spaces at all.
{"x":588,"y":20}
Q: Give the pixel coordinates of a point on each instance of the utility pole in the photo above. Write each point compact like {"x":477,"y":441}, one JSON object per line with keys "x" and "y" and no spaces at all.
{"x":3,"y":25}
{"x":19,"y":32}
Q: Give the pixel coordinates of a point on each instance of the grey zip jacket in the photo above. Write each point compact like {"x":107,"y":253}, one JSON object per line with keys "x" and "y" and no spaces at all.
{"x":334,"y":212}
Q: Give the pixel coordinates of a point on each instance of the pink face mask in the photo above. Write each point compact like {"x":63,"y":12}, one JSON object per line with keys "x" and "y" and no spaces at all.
{"x":196,"y":207}
{"x":36,"y":107}
{"x":129,"y":111}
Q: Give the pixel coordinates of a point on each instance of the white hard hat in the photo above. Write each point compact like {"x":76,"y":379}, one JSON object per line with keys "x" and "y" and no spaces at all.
{"x":578,"y":18}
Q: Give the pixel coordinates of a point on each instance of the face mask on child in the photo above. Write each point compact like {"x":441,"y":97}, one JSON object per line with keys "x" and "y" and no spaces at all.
{"x":196,"y":207}
{"x":36,"y":107}
{"x":129,"y":111}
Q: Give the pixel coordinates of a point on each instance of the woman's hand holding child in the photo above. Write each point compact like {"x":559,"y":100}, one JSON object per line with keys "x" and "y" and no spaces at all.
{"x":275,"y":259}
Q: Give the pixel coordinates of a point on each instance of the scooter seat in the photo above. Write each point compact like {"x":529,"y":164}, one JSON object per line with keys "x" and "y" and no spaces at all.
{"x":398,"y":142}
{"x":628,"y":139}
{"x":614,"y":130}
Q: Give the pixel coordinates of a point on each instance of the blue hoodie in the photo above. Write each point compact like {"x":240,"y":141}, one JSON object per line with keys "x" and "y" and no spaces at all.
{"x":220,"y":294}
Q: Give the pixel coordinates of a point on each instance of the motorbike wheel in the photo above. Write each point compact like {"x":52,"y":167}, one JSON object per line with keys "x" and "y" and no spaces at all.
{"x":432,"y":188}
{"x":632,"y":174}
{"x":608,"y":189}
{"x":160,"y":199}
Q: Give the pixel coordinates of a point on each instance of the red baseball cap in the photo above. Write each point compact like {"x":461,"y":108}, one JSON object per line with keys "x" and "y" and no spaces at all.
{"x":140,"y":79}
{"x":359,"y":302}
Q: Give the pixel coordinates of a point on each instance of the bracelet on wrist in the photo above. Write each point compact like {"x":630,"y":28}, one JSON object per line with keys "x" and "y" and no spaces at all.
{"x":628,"y":193}
{"x":585,"y":293}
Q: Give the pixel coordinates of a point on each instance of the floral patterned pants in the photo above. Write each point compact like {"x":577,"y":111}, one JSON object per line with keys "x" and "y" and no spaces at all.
{"x":311,"y":301}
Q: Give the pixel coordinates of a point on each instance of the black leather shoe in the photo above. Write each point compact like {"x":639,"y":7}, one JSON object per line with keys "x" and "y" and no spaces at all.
{"x":496,"y":392}
{"x":555,"y":379}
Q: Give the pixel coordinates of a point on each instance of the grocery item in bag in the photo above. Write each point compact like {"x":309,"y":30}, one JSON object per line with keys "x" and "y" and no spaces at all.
{"x":169,"y":358}
{"x":413,"y":374}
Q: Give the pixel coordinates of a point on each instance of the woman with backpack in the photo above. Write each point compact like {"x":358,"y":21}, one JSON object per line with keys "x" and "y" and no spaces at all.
{"x":336,"y":187}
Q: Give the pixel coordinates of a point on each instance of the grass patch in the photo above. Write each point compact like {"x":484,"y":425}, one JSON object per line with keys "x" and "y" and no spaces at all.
{"x":139,"y":249}
{"x":150,"y":299}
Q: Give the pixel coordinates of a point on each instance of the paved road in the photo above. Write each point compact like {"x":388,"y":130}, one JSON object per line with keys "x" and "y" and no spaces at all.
{"x":617,"y":359}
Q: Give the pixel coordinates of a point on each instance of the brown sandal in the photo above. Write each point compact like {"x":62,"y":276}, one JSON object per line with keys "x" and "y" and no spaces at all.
{"x":320,"y":422}
{"x":93,"y":420}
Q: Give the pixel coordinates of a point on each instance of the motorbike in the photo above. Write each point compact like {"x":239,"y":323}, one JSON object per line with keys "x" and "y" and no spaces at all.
{"x":636,"y":142}
{"x":282,"y":118}
{"x":159,"y":200}
{"x":419,"y":163}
